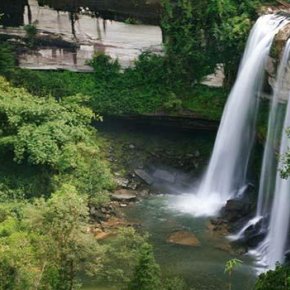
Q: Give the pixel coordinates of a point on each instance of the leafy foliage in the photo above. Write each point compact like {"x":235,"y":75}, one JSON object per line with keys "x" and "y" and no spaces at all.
{"x":49,"y":245}
{"x":147,"y":272}
{"x":54,"y":137}
{"x":7,"y":61}
{"x":274,"y":279}
{"x":122,"y":253}
{"x":31,"y":32}
{"x":230,"y":267}
{"x":140,"y":90}
{"x":200,"y":34}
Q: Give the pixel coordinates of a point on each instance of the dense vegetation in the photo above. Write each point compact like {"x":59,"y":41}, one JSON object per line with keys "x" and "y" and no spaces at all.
{"x":201,"y":34}
{"x":112,"y":91}
{"x":52,"y":172}
{"x":198,"y":36}
{"x":51,"y":161}
{"x":274,"y":279}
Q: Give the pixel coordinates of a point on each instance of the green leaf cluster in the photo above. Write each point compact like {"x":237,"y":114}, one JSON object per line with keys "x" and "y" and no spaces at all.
{"x":49,"y":244}
{"x":198,"y":35}
{"x":274,"y":279}
{"x":53,"y":139}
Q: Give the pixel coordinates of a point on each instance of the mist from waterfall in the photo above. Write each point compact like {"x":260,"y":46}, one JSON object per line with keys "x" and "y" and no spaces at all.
{"x":226,"y":173}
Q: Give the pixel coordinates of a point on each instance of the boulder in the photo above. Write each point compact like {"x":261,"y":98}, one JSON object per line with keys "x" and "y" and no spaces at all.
{"x":121,"y":181}
{"x":183,"y":238}
{"x":255,"y":234}
{"x":144,"y":176}
{"x":236,"y":209}
{"x":124,"y":195}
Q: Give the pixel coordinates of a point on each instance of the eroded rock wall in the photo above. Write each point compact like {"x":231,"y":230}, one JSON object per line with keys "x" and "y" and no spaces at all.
{"x":277,"y":50}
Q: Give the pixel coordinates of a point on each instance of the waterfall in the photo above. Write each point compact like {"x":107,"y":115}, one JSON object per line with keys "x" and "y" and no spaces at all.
{"x":227,"y":169}
{"x":272,"y":249}
{"x":269,"y":163}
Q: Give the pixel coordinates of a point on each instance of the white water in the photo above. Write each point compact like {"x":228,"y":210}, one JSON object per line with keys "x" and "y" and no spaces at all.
{"x":226,"y":173}
{"x":272,"y":249}
{"x":250,"y":223}
{"x":269,"y":163}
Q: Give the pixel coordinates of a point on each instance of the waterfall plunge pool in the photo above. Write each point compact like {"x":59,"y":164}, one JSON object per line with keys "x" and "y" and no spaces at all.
{"x":202,"y":267}
{"x":160,"y":215}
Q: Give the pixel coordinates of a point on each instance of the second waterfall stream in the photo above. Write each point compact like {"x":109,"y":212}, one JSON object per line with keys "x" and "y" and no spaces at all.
{"x":226,"y":173}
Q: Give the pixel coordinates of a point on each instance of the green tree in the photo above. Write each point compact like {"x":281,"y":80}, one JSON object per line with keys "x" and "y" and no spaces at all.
{"x":31,"y":32}
{"x":122,"y":255}
{"x":49,"y":246}
{"x":230,"y":267}
{"x":54,"y":137}
{"x":7,"y":59}
{"x":274,"y":279}
{"x":198,"y":35}
{"x":147,"y":271}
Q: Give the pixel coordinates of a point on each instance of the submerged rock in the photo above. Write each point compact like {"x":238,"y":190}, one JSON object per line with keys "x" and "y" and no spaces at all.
{"x":183,"y":238}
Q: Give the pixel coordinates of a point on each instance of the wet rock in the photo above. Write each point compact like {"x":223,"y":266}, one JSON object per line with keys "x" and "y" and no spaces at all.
{"x":280,"y":39}
{"x":183,"y":238}
{"x":218,"y":227}
{"x":144,"y":192}
{"x":144,"y":176}
{"x":218,"y":221}
{"x":235,"y":209}
{"x":103,"y":210}
{"x":121,"y":181}
{"x":132,"y":185}
{"x":287,"y":257}
{"x":124,"y":195}
{"x":98,"y":216}
{"x":254,"y":234}
{"x":164,"y":175}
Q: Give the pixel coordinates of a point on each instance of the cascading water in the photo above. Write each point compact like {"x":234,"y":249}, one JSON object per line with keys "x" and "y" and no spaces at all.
{"x":272,"y":249}
{"x":226,"y":173}
{"x":269,"y":164}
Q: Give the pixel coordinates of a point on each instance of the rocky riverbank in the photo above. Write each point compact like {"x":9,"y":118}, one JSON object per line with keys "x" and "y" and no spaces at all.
{"x":148,"y":160}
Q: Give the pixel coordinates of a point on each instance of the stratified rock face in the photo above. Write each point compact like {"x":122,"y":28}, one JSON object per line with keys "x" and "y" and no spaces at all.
{"x":183,"y":238}
{"x":148,"y":11}
{"x":280,"y":40}
{"x":273,"y":62}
